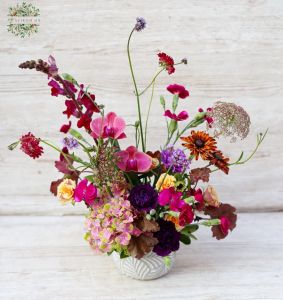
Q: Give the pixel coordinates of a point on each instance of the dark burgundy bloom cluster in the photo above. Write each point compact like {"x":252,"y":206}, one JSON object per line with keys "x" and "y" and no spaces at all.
{"x":30,"y":145}
{"x":143,"y":197}
{"x":167,"y":62}
{"x":168,"y":238}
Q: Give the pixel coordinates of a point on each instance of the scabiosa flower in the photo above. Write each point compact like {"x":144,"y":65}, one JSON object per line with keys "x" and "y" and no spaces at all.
{"x":143,"y":197}
{"x":110,"y":225}
{"x":167,"y":62}
{"x":30,"y":145}
{"x":70,"y":143}
{"x":168,"y":238}
{"x":176,"y":159}
{"x":140,"y":24}
{"x":179,"y":90}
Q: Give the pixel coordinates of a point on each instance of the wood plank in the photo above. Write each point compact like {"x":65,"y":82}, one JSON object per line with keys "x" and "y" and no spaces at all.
{"x":46,"y":258}
{"x":234,"y":52}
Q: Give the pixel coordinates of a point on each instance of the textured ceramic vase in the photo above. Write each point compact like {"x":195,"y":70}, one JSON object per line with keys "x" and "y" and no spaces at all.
{"x":151,"y":266}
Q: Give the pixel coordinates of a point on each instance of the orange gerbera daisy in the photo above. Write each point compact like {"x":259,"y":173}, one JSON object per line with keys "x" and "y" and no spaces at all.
{"x":200,"y":144}
{"x":217,"y":159}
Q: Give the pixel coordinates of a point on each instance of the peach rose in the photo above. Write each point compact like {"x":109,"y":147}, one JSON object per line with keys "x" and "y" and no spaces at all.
{"x":210,"y":196}
{"x":65,"y":190}
{"x":165,"y":181}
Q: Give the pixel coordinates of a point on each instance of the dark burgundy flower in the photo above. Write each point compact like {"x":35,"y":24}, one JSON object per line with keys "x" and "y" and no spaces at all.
{"x":55,"y":88}
{"x":186,"y":215}
{"x":167,"y":62}
{"x":182,"y":116}
{"x":226,"y":214}
{"x":88,"y":102}
{"x":168,"y":238}
{"x":143,"y":197}
{"x":71,"y":109}
{"x":66,"y":127}
{"x":179,"y":90}
{"x":65,"y":162}
{"x":30,"y":145}
{"x":85,"y":120}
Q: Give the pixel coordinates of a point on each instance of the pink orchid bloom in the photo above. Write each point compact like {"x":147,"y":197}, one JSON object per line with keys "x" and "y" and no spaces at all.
{"x":172,"y":198}
{"x":133,"y":160}
{"x":110,"y":126}
{"x":182,"y":116}
{"x":85,"y":192}
{"x":179,"y":90}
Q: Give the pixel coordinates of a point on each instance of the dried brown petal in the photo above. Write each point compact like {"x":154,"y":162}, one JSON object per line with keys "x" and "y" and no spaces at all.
{"x":141,"y":245}
{"x":199,"y":174}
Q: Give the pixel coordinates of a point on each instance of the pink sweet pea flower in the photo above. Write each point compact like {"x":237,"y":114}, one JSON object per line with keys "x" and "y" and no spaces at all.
{"x":182,"y":116}
{"x":179,"y":90}
{"x":85,"y":192}
{"x":133,"y":160}
{"x":224,"y":225}
{"x":110,"y":126}
{"x":172,"y":198}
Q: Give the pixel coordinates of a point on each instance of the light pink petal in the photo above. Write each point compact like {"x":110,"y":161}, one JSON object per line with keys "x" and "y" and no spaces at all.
{"x":144,"y":161}
{"x":119,"y":126}
{"x":97,"y":126}
{"x":122,"y":157}
{"x":110,"y":118}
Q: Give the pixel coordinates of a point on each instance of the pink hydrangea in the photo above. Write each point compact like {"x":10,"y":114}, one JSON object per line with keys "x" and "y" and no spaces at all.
{"x":110,"y":225}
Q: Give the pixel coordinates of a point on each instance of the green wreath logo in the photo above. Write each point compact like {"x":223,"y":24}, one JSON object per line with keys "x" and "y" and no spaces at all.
{"x":23,"y":19}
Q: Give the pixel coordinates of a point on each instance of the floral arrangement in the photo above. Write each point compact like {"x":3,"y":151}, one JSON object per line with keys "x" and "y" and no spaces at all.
{"x":140,"y":200}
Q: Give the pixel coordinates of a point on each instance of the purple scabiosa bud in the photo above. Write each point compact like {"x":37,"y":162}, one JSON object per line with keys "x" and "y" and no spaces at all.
{"x":140,"y":24}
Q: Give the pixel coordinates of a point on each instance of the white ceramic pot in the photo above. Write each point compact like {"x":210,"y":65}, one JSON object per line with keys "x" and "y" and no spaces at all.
{"x":151,"y":266}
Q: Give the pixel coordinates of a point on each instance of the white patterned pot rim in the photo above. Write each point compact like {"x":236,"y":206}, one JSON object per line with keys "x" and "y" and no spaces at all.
{"x":151,"y":266}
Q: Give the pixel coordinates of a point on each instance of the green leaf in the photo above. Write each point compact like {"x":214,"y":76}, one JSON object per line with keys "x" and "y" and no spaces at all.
{"x":175,"y":102}
{"x":185,"y":239}
{"x":173,"y":126}
{"x":190,"y":229}
{"x":192,"y":236}
{"x":69,"y":78}
{"x":90,"y":178}
{"x":162,"y":101}
{"x":241,"y":156}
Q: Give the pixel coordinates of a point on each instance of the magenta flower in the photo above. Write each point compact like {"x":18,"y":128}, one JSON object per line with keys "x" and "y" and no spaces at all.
{"x":172,"y":198}
{"x":182,"y":116}
{"x":55,"y":88}
{"x":85,"y":192}
{"x":179,"y":90}
{"x":66,"y":127}
{"x":110,"y":126}
{"x":224,"y":225}
{"x":133,"y":160}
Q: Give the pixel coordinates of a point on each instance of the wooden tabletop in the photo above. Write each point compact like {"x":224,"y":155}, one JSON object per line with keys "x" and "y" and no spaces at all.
{"x":47,"y":258}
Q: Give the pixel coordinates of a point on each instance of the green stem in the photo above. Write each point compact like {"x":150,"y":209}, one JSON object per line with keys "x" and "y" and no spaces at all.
{"x":148,"y":112}
{"x":136,"y":89}
{"x":152,"y":81}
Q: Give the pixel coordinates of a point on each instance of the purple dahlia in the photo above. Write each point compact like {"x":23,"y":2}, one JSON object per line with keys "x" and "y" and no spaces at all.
{"x":176,"y":159}
{"x":143,"y":197}
{"x":168,"y":238}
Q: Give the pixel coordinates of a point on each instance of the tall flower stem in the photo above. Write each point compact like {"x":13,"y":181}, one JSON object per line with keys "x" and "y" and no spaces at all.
{"x":136,"y":90}
{"x":152,"y":81}
{"x":148,"y":112}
